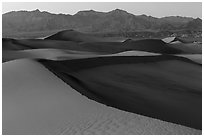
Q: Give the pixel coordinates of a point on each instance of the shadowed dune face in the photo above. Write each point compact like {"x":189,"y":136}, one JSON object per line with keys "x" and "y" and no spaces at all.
{"x":32,"y":54}
{"x":58,"y":54}
{"x":162,"y":87}
{"x":71,"y":35}
{"x":40,"y":44}
{"x":10,"y":44}
{"x":189,"y":48}
{"x":194,"y":57}
{"x":152,"y":45}
{"x":98,"y":47}
{"x":148,"y":45}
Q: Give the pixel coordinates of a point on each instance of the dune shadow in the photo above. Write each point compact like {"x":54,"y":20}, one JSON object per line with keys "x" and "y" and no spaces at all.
{"x":163,"y":87}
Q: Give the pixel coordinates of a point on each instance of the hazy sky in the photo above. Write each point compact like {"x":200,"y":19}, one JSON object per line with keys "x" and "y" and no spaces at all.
{"x":156,"y":9}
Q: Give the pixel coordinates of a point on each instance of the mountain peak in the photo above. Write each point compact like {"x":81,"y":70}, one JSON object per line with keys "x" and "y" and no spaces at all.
{"x":119,"y":11}
{"x":87,"y":12}
{"x":37,"y":10}
{"x":198,"y":19}
{"x":143,"y":15}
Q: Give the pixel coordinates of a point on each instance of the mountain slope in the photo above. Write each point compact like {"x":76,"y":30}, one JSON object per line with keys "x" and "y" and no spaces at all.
{"x":93,"y":21}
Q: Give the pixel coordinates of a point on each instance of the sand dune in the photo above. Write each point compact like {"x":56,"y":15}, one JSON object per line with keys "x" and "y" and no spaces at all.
{"x":51,"y":54}
{"x":194,"y":57}
{"x":152,"y":45}
{"x":72,"y":35}
{"x":131,"y":53}
{"x":98,"y":47}
{"x":168,"y":39}
{"x":38,"y":44}
{"x":185,"y":46}
{"x":10,"y":44}
{"x":164,"y":87}
{"x":58,"y":54}
{"x":36,"y":102}
{"x":147,"y":45}
{"x":176,"y":40}
{"x":189,"y":48}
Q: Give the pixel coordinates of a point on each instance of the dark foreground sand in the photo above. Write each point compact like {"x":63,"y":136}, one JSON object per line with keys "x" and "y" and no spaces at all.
{"x":164,"y":87}
{"x":37,"y":102}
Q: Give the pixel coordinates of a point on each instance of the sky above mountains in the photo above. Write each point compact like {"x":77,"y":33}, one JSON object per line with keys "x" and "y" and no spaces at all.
{"x":156,"y":9}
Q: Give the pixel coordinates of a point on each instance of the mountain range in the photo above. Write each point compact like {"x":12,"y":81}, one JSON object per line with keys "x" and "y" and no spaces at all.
{"x":93,"y":21}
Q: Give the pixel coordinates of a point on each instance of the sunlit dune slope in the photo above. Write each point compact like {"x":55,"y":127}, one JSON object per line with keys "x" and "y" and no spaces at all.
{"x":164,"y":87}
{"x":35,"y":101}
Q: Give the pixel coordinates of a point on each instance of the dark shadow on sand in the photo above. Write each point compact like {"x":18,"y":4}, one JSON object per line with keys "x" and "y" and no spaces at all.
{"x":163,"y":87}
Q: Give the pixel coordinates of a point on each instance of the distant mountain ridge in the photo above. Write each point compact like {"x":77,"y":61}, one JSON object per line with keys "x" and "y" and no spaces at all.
{"x":93,"y":21}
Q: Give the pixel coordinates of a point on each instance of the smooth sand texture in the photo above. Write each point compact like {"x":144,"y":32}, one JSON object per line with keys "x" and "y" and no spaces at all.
{"x":51,"y":54}
{"x":59,"y":54}
{"x":97,"y":47}
{"x":164,"y":87}
{"x":147,"y":45}
{"x":187,"y":48}
{"x":10,"y":44}
{"x":194,"y":57}
{"x":72,"y":35}
{"x":36,"y":102}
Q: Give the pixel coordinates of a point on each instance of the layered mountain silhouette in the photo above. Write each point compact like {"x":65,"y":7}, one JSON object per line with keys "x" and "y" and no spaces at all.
{"x":94,"y":21}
